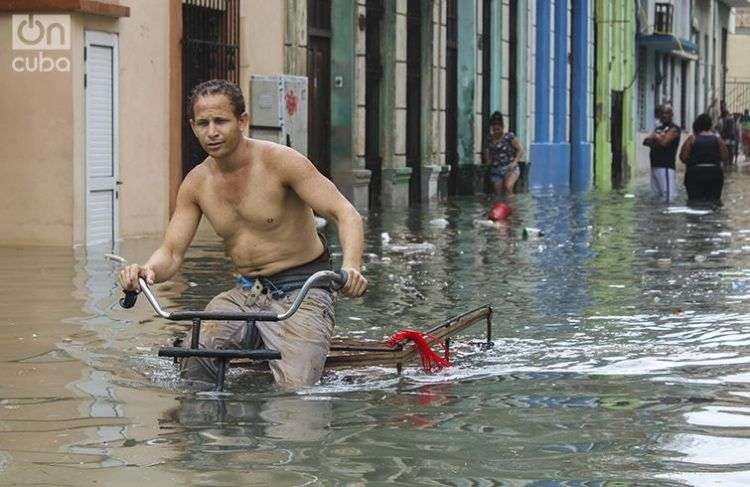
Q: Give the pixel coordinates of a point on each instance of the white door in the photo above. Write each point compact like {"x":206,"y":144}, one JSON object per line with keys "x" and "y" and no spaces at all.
{"x":101,"y":137}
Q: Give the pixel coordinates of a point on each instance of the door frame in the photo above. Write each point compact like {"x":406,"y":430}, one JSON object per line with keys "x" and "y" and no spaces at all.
{"x":108,"y":39}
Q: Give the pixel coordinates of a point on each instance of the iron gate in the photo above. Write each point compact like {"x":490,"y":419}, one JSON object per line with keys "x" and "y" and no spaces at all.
{"x":210,"y":50}
{"x":738,"y":95}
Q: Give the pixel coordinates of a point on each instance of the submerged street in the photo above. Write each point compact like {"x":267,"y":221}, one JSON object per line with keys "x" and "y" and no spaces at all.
{"x":621,"y":354}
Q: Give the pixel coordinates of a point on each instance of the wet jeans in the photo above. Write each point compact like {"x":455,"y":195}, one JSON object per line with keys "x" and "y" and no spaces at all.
{"x":303,"y":340}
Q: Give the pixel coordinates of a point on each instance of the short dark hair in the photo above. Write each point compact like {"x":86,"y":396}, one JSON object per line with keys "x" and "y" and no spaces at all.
{"x":218,"y":87}
{"x":702,"y":123}
{"x":496,"y":118}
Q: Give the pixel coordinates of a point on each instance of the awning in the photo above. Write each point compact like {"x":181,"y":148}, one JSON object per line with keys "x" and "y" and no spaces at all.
{"x":668,"y":43}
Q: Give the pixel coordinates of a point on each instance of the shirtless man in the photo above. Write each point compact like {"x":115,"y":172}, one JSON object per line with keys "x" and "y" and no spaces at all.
{"x":259,"y":197}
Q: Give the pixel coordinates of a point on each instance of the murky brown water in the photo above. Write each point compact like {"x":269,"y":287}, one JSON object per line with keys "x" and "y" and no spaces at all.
{"x":622,"y":352}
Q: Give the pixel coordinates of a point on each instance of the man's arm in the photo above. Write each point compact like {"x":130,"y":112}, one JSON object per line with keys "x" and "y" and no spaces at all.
{"x":166,"y":260}
{"x":650,"y":139}
{"x":324,"y":198}
{"x":666,"y":138}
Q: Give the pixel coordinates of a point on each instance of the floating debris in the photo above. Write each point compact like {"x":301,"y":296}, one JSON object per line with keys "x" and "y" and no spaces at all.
{"x":439,"y":222}
{"x":412,"y":248}
{"x":686,"y":210}
{"x":530,"y":233}
{"x":320,"y":222}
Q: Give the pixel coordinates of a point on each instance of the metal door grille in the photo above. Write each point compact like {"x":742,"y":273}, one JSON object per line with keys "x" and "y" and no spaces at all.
{"x":210,"y":50}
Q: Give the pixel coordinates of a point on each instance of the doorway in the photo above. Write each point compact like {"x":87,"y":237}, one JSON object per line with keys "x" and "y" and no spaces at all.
{"x":414,"y":98}
{"x":451,"y":102}
{"x":373,"y":77}
{"x":319,"y":84}
{"x":615,"y":138}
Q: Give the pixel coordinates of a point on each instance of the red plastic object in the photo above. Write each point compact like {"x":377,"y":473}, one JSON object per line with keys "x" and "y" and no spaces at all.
{"x":499,"y":211}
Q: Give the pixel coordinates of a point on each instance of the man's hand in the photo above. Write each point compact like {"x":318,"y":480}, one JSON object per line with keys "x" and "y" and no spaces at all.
{"x":356,"y":284}
{"x":129,"y":276}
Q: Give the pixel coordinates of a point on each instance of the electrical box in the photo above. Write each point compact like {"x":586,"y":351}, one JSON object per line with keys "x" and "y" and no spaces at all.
{"x":278,"y":110}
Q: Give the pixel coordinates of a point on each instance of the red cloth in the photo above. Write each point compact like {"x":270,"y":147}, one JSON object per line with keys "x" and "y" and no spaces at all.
{"x":430,"y":359}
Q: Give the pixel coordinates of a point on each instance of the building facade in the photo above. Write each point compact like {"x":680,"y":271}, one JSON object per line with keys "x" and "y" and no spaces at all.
{"x":682,"y":53}
{"x":390,"y":98}
{"x":738,"y":68}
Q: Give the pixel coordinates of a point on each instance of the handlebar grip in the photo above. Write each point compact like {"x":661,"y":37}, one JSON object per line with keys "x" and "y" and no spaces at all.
{"x":129,"y":300}
{"x":340,"y":281}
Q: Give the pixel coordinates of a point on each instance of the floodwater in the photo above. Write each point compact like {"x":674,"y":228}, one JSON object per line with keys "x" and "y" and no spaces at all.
{"x":621,"y":357}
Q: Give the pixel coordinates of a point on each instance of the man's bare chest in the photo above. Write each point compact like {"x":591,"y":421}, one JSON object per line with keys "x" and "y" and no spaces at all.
{"x":254,"y":206}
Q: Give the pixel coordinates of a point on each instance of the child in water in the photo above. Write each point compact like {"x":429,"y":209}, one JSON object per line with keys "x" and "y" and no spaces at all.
{"x":502,"y":155}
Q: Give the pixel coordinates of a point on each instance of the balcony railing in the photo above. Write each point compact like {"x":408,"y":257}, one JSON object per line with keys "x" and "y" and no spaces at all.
{"x":663,"y":17}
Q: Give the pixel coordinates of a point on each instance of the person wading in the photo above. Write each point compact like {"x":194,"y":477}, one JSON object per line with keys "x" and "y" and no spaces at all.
{"x":664,"y":141}
{"x":259,"y":197}
{"x":703,"y":153}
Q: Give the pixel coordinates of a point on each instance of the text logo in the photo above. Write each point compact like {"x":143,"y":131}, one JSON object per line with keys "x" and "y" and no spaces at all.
{"x":41,"y":32}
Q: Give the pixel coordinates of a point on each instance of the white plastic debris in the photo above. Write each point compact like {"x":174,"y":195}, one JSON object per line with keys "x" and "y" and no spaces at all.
{"x":320,"y":222}
{"x":664,"y":262}
{"x":385,"y":238}
{"x":412,"y":248}
{"x":439,"y":222}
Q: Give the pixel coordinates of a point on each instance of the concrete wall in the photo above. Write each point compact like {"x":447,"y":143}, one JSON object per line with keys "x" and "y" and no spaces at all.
{"x":737,"y":63}
{"x":144,"y":117}
{"x":43,"y":201}
{"x":36,"y":134}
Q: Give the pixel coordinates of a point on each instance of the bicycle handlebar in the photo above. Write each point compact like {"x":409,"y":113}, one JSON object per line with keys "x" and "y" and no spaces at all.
{"x":337,"y":280}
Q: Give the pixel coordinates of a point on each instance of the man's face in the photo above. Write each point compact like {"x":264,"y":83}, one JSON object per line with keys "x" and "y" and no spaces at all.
{"x":666,"y":115}
{"x":218,"y":130}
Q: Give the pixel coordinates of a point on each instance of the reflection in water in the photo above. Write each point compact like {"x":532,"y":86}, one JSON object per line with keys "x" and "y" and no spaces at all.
{"x":620,"y":358}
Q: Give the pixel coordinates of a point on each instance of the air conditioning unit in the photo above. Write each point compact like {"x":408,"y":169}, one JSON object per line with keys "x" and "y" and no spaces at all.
{"x":278,"y":110}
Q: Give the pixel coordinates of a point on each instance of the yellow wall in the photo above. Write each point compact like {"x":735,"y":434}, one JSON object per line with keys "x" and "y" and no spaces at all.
{"x":738,"y":45}
{"x":144,"y":118}
{"x":42,"y":132}
{"x":262,"y":25}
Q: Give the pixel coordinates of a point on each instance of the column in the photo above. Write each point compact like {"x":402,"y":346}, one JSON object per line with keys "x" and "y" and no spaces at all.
{"x":539,"y":153}
{"x":347,"y":171}
{"x":580,"y":147}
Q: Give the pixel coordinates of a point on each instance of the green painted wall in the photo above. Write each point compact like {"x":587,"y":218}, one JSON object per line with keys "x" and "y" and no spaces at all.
{"x":615,"y":71}
{"x":343,"y":100}
{"x":467,"y":68}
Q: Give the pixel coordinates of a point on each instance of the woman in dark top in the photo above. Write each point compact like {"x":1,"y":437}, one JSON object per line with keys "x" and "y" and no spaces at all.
{"x":703,"y":153}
